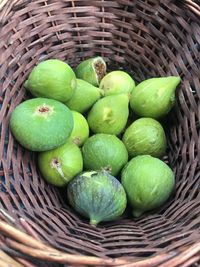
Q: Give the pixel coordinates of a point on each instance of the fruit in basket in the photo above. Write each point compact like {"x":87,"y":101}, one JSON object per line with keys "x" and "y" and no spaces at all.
{"x":148,"y":183}
{"x":117,"y":82}
{"x":52,"y":78}
{"x":97,"y":196}
{"x":41,"y":124}
{"x":104,"y":151}
{"x":109,"y":115}
{"x":91,"y":70}
{"x":145,"y":136}
{"x":154,"y":97}
{"x":84,"y":96}
{"x":80,"y":132}
{"x":58,"y":166}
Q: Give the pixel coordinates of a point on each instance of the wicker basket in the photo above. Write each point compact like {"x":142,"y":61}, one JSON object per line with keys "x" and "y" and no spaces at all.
{"x":148,"y":38}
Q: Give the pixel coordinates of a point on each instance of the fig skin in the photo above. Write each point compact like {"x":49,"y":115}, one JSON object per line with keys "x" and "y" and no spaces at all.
{"x":60,"y":165}
{"x":41,"y":124}
{"x":80,"y":132}
{"x":109,"y":115}
{"x":53,"y":79}
{"x":117,"y":82}
{"x":155,"y":97}
{"x":104,"y":151}
{"x":84,"y":97}
{"x":97,"y":196}
{"x":148,"y":183}
{"x":145,"y":136}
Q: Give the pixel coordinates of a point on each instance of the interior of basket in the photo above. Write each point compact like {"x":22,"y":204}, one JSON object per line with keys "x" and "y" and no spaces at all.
{"x":146,"y":39}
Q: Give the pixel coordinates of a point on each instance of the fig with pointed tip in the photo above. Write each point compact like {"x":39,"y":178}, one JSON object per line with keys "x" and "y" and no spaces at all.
{"x":52,"y":78}
{"x":109,"y":114}
{"x":91,"y":70}
{"x":41,"y":124}
{"x":97,"y":196}
{"x":148,"y":183}
{"x":117,"y":82}
{"x":145,"y":136}
{"x":104,"y":151}
{"x":60,"y":165}
{"x":80,"y":132}
{"x":154,"y":97}
{"x":84,"y":96}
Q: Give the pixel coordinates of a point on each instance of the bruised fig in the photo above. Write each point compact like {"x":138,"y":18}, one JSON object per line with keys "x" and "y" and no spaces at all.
{"x":84,"y":96}
{"x":109,"y":115}
{"x":154,"y":97}
{"x":80,"y":132}
{"x":91,"y":70}
{"x":117,"y":82}
{"x":97,"y":196}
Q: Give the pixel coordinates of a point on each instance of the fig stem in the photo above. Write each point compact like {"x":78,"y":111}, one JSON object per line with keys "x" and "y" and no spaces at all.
{"x":137,"y":213}
{"x":93,"y":222}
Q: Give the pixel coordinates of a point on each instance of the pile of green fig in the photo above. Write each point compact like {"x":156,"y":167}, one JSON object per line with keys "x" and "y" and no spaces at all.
{"x":99,"y":135}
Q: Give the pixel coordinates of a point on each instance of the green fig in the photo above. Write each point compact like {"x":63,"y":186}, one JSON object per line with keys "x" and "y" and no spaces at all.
{"x":97,"y":196}
{"x":109,"y":115}
{"x":145,"y":136}
{"x":58,"y":166}
{"x":117,"y":82}
{"x":80,"y":132}
{"x":148,"y":183}
{"x":104,"y":151}
{"x":41,"y":124}
{"x":84,"y":97}
{"x":154,"y":97}
{"x":91,"y":70}
{"x":52,"y":78}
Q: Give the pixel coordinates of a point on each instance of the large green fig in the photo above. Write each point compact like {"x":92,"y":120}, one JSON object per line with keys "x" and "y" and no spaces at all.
{"x":148,"y":182}
{"x":58,"y":166}
{"x":84,"y":97}
{"x":117,"y":82}
{"x":145,"y":136}
{"x":154,"y":97}
{"x":52,"y":78}
{"x":97,"y":196}
{"x":104,"y":151}
{"x":41,"y":124}
{"x":109,"y":115}
{"x":91,"y":70}
{"x":80,"y":132}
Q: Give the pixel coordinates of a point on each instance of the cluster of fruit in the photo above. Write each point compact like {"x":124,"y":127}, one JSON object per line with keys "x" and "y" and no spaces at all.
{"x":79,"y":123}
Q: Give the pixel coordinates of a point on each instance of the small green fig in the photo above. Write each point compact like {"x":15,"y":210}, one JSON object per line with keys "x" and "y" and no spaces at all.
{"x":52,"y":78}
{"x":117,"y":82}
{"x":80,"y":132}
{"x":41,"y":124}
{"x":145,"y":136}
{"x":84,"y":97}
{"x":97,"y":196}
{"x":104,"y":151}
{"x":60,"y":165}
{"x":154,"y":97}
{"x":109,"y":115}
{"x":148,"y":182}
{"x":91,"y":70}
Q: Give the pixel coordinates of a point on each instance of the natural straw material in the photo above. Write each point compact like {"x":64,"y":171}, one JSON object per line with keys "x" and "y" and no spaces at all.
{"x":147,"y":38}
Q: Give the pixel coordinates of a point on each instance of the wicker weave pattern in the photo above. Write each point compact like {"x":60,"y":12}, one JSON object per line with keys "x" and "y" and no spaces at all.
{"x":147,"y":38}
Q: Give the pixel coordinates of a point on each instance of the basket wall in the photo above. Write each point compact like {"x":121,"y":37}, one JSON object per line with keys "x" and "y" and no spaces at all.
{"x":148,"y":38}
